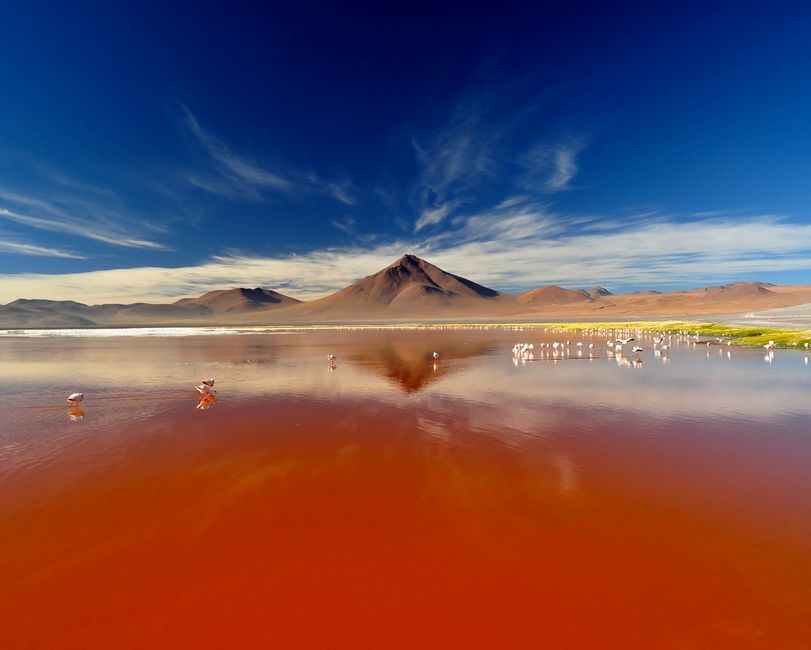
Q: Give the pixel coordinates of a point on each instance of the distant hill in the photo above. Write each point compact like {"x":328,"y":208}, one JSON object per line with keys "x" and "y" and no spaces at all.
{"x":214,"y":307}
{"x":598,"y":292}
{"x":409,"y":288}
{"x":225,"y":301}
{"x":737,"y":290}
{"x":554,"y":295}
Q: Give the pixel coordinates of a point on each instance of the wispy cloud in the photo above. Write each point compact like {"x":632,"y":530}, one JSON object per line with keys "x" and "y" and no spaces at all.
{"x":453,"y":161}
{"x":479,"y":151}
{"x":432,"y":216}
{"x":76,"y":216}
{"x":237,"y":169}
{"x":23,"y":248}
{"x":551,"y":168}
{"x":347,"y":225}
{"x":517,"y":245}
{"x":240,"y":177}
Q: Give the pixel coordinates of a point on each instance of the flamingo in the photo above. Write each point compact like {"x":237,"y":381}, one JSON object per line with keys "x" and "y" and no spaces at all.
{"x":435,"y":355}
{"x":208,"y":382}
{"x":75,"y":398}
{"x":637,"y":349}
{"x":332,"y":357}
{"x":625,"y":341}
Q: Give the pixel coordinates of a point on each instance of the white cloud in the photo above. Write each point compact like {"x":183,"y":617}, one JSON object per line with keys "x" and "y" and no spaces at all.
{"x":304,"y":276}
{"x":453,"y":163}
{"x":238,"y":175}
{"x":432,"y":216}
{"x":75,"y":216}
{"x":551,"y":169}
{"x":475,"y":151}
{"x":565,"y":168}
{"x":518,"y":245}
{"x":22,"y":248}
{"x":347,"y":226}
{"x":232,"y":165}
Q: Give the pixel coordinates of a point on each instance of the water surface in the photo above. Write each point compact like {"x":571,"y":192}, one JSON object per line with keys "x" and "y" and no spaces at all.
{"x":387,"y":500}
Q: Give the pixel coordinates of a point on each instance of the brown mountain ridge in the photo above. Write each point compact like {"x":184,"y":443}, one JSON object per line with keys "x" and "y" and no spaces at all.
{"x":409,"y":288}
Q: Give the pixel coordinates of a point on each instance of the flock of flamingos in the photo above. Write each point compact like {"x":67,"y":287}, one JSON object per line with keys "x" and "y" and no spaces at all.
{"x":524,"y":352}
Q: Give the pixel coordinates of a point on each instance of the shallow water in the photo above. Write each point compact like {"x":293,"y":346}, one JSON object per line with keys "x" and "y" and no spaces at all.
{"x":390,"y":501}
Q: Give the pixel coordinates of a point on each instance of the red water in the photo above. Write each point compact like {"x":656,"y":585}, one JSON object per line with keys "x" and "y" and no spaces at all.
{"x":388,"y":504}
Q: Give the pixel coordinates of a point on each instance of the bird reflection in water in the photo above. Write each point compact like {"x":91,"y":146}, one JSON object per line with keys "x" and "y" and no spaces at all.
{"x":207,"y":401}
{"x":75,"y":413}
{"x":622,"y":362}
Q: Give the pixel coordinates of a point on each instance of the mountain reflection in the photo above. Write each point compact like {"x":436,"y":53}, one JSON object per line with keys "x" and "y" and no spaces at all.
{"x":408,"y":362}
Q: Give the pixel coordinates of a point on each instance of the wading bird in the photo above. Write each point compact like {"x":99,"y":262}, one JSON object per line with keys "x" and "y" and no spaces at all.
{"x":75,"y":398}
{"x":332,"y":357}
{"x":435,"y":355}
{"x":208,"y":382}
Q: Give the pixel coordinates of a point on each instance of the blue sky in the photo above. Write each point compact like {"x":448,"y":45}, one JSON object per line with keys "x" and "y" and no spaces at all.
{"x":167,"y":149}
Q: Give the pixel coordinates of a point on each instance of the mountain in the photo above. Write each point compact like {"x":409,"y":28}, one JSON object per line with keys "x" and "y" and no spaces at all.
{"x":598,"y":292}
{"x":408,"y":286}
{"x":214,"y":307}
{"x":553,"y":295}
{"x":737,"y":290}
{"x":225,"y":301}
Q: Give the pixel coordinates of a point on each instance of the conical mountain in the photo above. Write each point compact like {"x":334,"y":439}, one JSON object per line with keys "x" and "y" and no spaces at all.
{"x":409,"y":285}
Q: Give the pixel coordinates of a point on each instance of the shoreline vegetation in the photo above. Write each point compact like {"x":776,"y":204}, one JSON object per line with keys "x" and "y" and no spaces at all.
{"x":744,"y":336}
